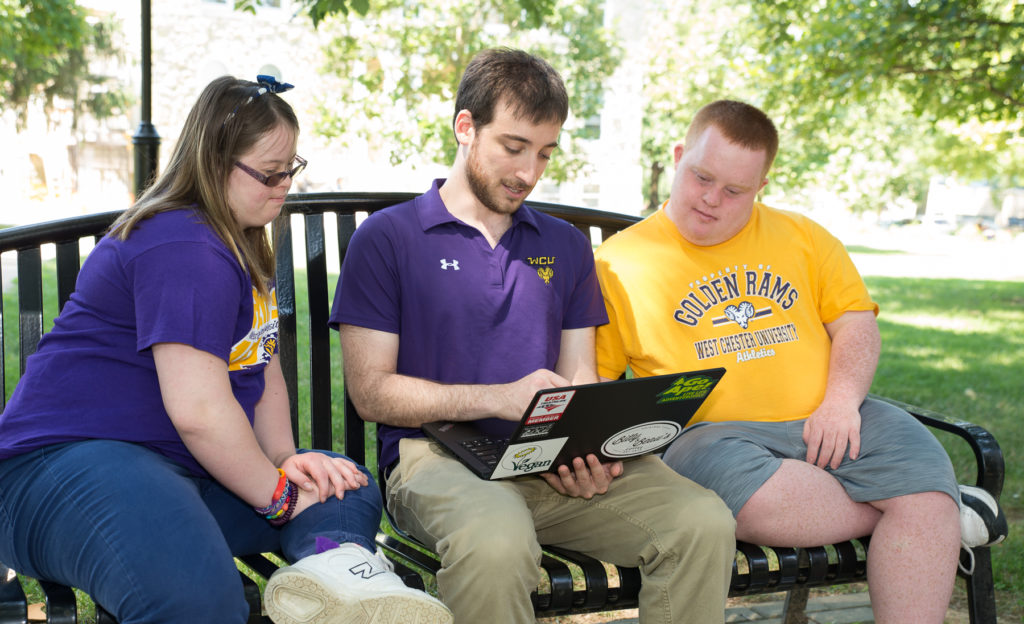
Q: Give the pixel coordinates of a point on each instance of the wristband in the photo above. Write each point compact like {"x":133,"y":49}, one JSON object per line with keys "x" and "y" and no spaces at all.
{"x":278,"y":499}
{"x":289,"y":507}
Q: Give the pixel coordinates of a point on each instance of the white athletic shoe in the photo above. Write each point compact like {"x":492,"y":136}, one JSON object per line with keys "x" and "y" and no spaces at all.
{"x":982,"y":523}
{"x":348,"y":585}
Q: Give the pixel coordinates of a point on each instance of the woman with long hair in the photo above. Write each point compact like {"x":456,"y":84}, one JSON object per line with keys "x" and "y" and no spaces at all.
{"x":149,"y":440}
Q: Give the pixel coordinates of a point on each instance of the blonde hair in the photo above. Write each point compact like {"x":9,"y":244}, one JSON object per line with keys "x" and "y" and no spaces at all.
{"x":227,"y":120}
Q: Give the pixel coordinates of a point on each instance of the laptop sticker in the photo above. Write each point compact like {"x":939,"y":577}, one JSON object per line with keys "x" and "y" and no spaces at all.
{"x":521,"y":459}
{"x":535,"y":431}
{"x":550,"y":407}
{"x":687,"y":387}
{"x":640,"y":439}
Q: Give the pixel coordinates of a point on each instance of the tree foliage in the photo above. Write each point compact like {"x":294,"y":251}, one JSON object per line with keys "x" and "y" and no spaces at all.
{"x":693,"y":56}
{"x":534,"y":11}
{"x":928,"y":87}
{"x":871,"y":98}
{"x":398,"y":69}
{"x":45,"y":47}
{"x":952,"y":59}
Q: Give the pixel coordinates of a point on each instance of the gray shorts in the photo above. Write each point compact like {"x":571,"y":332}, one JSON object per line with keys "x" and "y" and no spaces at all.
{"x":898,"y":456}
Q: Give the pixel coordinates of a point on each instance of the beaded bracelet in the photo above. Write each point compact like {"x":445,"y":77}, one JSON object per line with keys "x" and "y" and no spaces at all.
{"x":279,"y":500}
{"x":289,"y":507}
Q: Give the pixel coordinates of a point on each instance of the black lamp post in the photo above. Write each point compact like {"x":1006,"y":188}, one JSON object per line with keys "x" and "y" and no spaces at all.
{"x":145,"y":139}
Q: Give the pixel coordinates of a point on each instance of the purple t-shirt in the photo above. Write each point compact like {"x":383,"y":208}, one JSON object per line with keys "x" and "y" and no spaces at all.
{"x":93,"y":375}
{"x":466,"y":313}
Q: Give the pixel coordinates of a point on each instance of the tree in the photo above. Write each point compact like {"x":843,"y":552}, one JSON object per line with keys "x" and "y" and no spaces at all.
{"x":693,"y":57}
{"x":45,"y":47}
{"x":399,"y":69}
{"x":944,"y":78}
{"x":854,"y":126}
{"x":952,"y":59}
{"x":319,"y":10}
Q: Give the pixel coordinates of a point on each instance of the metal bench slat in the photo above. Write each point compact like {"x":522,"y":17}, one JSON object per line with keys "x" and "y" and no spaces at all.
{"x":594,"y":594}
{"x":757,"y":565}
{"x":319,"y":333}
{"x":61,"y":606}
{"x":69,"y":261}
{"x":284,"y":275}
{"x":559,"y":598}
{"x":30,"y":302}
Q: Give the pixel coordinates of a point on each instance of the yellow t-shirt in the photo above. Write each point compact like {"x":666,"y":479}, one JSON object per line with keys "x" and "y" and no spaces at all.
{"x":755,"y":305}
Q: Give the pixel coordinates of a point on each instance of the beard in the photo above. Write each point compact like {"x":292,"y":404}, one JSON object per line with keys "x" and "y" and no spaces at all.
{"x":492,"y":197}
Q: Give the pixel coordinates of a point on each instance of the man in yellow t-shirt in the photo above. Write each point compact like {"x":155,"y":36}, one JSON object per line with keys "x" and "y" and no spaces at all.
{"x":788,"y":439}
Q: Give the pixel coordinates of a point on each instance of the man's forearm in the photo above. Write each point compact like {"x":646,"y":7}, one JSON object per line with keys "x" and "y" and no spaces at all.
{"x":856,"y":346}
{"x":404,"y":401}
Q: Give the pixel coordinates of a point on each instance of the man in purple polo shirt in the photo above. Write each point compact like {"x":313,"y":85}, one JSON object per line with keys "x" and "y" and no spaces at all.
{"x":460,"y":305}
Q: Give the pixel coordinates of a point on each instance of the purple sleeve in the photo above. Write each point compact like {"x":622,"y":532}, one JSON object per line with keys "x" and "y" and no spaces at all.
{"x":188,"y":293}
{"x":368,"y":292}
{"x":586,"y":306}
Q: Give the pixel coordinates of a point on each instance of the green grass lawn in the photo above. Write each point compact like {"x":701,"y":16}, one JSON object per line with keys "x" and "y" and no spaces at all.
{"x":954,"y":346}
{"x":957,"y":347}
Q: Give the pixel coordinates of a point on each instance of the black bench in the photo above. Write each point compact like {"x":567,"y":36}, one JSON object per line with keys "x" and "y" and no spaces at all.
{"x":573,"y":583}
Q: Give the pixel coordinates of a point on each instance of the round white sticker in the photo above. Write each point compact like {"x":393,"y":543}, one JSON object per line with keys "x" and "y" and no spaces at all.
{"x":641,"y":439}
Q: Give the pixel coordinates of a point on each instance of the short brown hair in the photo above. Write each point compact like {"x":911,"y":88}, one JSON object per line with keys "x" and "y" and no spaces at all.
{"x":526,"y":82}
{"x":741,"y":123}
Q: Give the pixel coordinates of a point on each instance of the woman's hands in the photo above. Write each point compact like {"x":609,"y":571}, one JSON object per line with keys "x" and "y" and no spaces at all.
{"x":323,"y":475}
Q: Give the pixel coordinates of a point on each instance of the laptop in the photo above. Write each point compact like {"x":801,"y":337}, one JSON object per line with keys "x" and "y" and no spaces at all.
{"x":613,"y":420}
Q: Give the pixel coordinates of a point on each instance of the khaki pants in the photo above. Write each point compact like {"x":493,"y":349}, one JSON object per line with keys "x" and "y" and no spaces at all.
{"x":488,"y":535}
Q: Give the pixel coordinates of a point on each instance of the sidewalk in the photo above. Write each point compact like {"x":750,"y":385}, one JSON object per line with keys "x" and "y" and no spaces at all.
{"x":838,"y":609}
{"x":832,"y":609}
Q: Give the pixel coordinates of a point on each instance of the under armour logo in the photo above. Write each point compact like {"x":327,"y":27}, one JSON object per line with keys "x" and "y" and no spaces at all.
{"x":445,"y":264}
{"x":365,"y":570}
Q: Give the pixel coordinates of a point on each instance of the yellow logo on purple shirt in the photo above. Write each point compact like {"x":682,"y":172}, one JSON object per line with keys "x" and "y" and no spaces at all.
{"x":258,"y":346}
{"x":545,"y":272}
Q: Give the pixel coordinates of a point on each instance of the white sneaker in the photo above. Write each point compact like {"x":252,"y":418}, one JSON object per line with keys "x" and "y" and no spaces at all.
{"x":982,"y":523}
{"x":348,"y":585}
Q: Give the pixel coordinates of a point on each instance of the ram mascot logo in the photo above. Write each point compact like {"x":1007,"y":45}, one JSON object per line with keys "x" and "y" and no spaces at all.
{"x":546,"y":273}
{"x":740,"y":314}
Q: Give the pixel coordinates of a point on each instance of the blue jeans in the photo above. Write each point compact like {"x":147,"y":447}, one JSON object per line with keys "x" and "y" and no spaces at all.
{"x":146,"y":539}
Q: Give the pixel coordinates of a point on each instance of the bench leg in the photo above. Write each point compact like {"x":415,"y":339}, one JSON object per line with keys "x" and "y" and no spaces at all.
{"x":794,"y":610}
{"x":13,"y":605}
{"x":981,"y":597}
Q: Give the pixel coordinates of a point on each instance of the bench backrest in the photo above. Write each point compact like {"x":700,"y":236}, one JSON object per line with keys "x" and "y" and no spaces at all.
{"x":311,"y":236}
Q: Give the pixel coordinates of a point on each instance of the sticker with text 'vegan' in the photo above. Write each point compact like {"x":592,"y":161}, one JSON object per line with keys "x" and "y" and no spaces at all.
{"x":522,"y":459}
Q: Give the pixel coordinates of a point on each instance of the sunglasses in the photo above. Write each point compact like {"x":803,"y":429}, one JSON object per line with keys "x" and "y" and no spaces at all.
{"x":275,"y":178}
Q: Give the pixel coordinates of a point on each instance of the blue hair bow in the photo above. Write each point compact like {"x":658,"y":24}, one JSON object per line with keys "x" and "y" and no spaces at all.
{"x":269,"y":83}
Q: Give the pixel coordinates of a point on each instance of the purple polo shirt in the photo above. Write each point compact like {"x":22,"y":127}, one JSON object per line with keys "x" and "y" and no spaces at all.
{"x":466,"y":313}
{"x":94,"y":377}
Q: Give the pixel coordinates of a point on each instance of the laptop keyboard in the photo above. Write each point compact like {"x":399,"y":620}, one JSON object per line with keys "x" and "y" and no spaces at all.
{"x":485,"y":449}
